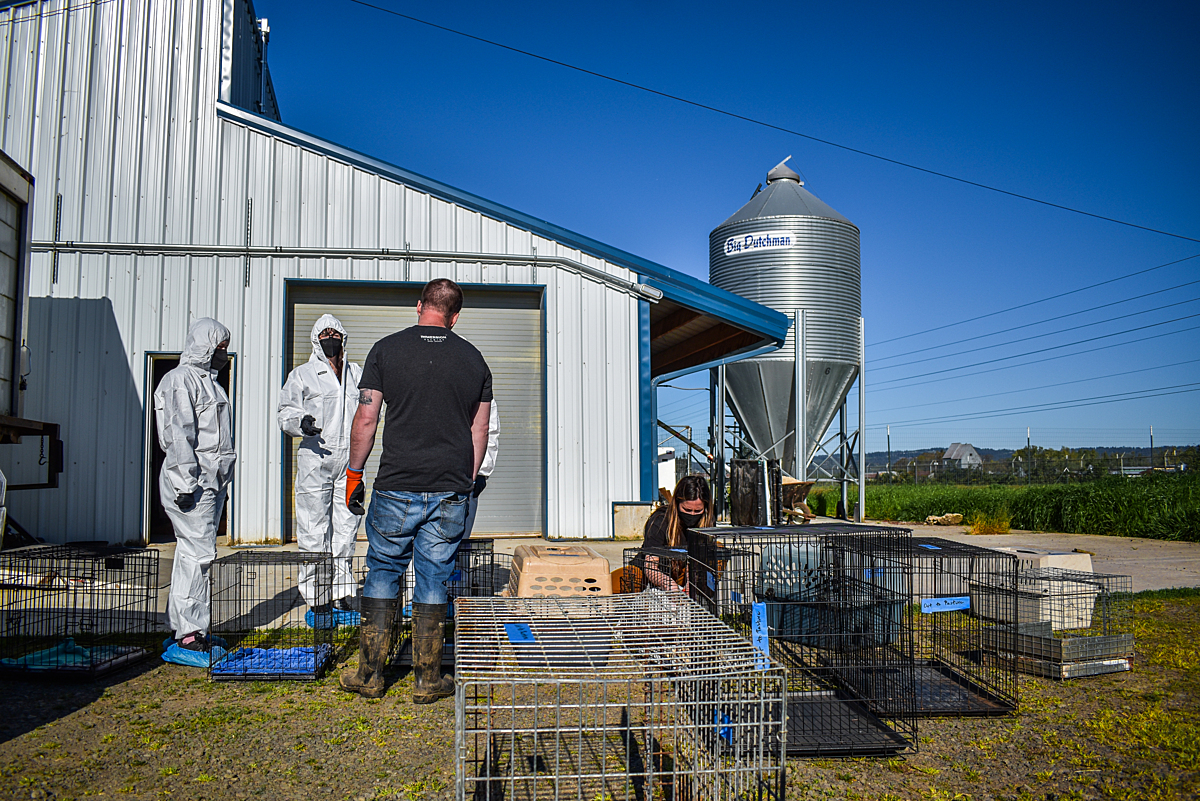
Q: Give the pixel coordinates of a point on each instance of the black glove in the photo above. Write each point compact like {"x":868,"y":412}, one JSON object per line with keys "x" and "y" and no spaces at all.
{"x":480,"y":485}
{"x":186,"y":501}
{"x":307,"y":427}
{"x":357,"y":496}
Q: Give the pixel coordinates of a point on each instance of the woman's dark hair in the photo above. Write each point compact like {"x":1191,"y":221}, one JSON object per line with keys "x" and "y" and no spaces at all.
{"x":689,"y":488}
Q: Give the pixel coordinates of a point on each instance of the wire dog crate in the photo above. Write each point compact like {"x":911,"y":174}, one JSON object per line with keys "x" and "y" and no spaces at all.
{"x":664,"y":568}
{"x":1068,"y":623}
{"x":76,"y":611}
{"x":473,"y":576}
{"x":616,"y":697}
{"x":955,"y":674}
{"x":829,"y":602}
{"x":257,"y":609}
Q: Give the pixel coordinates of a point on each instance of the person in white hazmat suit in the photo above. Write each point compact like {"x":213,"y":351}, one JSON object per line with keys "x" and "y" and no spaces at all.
{"x":195,"y":430}
{"x":317,"y":403}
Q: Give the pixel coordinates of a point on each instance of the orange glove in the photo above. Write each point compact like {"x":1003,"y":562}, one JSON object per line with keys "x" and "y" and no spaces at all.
{"x":356,"y":491}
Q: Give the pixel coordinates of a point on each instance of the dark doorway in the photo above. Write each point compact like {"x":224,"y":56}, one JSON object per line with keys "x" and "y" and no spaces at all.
{"x":158,"y":524}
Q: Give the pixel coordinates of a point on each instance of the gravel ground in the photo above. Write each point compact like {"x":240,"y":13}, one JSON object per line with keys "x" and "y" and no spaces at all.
{"x":158,"y":730}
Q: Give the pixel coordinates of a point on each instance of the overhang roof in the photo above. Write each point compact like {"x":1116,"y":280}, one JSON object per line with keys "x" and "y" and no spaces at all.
{"x":693,"y":326}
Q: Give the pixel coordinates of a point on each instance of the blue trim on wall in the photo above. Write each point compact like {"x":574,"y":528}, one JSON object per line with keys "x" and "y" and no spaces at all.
{"x":676,"y":286}
{"x":646,"y":405}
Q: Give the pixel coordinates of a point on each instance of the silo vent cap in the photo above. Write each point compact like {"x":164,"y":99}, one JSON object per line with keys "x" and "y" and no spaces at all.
{"x":782,"y":172}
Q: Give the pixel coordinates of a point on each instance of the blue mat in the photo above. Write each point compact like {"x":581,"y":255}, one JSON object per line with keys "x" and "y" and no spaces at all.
{"x":178,"y":655}
{"x":298,"y":661}
{"x":67,"y":655}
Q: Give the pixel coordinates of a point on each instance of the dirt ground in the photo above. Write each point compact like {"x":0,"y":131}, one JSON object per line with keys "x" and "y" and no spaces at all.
{"x":158,"y":730}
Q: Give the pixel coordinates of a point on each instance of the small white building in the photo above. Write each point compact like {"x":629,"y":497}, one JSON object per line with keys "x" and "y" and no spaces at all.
{"x":961,"y":455}
{"x":168,"y":189}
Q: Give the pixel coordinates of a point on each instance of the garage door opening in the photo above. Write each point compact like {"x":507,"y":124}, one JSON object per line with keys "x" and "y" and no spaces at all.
{"x":505,"y":324}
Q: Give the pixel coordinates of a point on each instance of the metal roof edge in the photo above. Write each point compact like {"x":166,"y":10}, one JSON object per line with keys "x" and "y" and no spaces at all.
{"x":677,"y":286}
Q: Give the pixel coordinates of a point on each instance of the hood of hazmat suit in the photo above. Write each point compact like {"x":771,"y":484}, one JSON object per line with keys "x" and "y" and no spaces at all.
{"x":323,"y":523}
{"x":193,"y":417}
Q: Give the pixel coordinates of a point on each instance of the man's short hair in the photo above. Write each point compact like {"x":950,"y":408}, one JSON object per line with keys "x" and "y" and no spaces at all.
{"x":444,"y":295}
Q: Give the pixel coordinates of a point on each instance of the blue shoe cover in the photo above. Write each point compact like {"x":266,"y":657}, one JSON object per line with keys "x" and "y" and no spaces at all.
{"x":178,"y":655}
{"x":346,"y":617}
{"x":328,"y":620}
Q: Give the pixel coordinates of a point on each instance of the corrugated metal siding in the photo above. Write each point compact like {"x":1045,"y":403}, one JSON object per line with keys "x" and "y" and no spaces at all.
{"x":10,"y":250}
{"x":113,"y":106}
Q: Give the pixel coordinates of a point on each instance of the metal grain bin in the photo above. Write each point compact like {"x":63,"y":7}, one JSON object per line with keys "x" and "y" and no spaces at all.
{"x":788,"y":250}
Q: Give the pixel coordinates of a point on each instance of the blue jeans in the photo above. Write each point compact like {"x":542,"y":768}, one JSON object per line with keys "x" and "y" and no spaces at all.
{"x":423,"y":528}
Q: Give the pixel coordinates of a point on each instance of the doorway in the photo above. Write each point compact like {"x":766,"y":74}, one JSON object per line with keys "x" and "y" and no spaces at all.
{"x":156,"y":526}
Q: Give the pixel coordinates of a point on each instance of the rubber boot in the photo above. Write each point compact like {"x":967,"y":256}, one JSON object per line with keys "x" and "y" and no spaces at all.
{"x":374,"y":646}
{"x":428,"y":638}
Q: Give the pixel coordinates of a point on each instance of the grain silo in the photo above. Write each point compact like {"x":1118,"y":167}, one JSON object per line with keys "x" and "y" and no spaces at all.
{"x":788,"y":250}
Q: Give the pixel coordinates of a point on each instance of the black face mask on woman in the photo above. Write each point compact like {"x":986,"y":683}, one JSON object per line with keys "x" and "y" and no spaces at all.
{"x":332,"y":346}
{"x":690,"y":520}
{"x":220,"y":358}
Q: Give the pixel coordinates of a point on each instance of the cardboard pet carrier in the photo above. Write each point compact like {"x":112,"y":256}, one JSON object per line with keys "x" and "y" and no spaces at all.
{"x":558,"y":571}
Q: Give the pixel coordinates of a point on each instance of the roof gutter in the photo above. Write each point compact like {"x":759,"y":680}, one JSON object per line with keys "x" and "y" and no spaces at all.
{"x":637,"y":290}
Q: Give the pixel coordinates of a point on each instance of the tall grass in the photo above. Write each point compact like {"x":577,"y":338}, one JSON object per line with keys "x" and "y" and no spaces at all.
{"x":1163,"y":507}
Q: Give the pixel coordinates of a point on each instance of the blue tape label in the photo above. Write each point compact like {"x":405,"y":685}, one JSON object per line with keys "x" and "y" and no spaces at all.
{"x":712,"y":582}
{"x":930,"y":547}
{"x":519,"y":633}
{"x":722,"y":727}
{"x":868,"y":574}
{"x":737,"y":597}
{"x":455,"y":576}
{"x":953,"y":604}
{"x":762,"y":644}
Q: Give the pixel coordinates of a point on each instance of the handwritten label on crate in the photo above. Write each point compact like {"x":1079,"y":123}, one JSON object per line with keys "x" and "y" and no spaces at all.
{"x":758,"y":626}
{"x":712,"y":581}
{"x":930,"y":547}
{"x":519,"y":633}
{"x":954,"y":604}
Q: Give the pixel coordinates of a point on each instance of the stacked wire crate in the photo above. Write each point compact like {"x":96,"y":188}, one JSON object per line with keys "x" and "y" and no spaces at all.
{"x":1067,"y":623}
{"x":629,"y":696}
{"x":955,"y":673}
{"x":260,"y":615}
{"x":75,"y":610}
{"x":828,"y":601}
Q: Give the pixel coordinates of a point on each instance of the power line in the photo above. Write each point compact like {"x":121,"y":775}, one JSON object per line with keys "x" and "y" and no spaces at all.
{"x":1032,"y":389}
{"x":1052,"y":347}
{"x":1030,"y":303}
{"x":1099,"y":400}
{"x":1038,"y":322}
{"x":763,"y":124}
{"x":1026,"y":364}
{"x":1038,"y":336}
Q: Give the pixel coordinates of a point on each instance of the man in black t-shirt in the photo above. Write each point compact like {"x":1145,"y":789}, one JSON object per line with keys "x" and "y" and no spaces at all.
{"x":438,"y":391}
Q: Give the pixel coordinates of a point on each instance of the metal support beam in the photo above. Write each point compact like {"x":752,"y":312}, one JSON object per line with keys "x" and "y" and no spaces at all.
{"x":861,"y":509}
{"x":717,"y":407}
{"x":843,"y":459}
{"x":801,"y":421}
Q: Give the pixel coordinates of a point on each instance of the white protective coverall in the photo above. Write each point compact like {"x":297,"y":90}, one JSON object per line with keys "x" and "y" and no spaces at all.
{"x":195,"y":429}
{"x":323,"y":523}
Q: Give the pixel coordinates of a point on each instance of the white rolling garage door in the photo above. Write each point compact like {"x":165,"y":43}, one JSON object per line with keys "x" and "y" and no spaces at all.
{"x":507,"y":328}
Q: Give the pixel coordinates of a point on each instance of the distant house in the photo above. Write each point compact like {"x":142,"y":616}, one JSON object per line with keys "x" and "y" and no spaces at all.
{"x":961,"y":454}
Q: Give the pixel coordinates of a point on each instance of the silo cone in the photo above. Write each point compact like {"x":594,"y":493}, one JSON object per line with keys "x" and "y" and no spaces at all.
{"x":788,"y":250}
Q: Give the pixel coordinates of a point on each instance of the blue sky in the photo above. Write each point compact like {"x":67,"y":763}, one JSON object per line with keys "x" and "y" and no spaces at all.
{"x":1091,"y":106}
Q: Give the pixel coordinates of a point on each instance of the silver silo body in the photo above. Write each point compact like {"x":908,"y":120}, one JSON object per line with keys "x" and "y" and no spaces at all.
{"x":788,"y":250}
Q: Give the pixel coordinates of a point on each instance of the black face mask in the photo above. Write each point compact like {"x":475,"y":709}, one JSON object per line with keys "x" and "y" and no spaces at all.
{"x":332,"y":347}
{"x":220,"y":358}
{"x":690,"y":520}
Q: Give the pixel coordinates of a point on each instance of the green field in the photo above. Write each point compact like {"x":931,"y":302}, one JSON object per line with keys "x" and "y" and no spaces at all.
{"x":1162,"y":507}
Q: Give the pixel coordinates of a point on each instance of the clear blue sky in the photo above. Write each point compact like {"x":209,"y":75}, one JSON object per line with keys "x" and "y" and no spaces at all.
{"x":1094,"y":106}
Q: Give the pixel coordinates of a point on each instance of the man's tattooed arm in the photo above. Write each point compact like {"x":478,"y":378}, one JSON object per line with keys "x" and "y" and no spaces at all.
{"x":364,"y":397}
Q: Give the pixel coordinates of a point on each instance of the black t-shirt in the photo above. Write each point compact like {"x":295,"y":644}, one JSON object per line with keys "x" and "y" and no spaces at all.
{"x":431,"y":380}
{"x":654,"y":535}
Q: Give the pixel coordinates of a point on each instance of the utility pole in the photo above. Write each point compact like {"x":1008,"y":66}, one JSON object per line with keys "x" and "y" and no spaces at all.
{"x":1029,"y":453}
{"x":889,"y":440}
{"x":1151,"y":447}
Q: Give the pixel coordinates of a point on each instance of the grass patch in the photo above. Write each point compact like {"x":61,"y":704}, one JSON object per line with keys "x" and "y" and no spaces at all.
{"x":1163,"y":507}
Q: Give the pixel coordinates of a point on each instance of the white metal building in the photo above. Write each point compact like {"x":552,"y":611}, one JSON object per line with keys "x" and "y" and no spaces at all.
{"x":168,"y":189}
